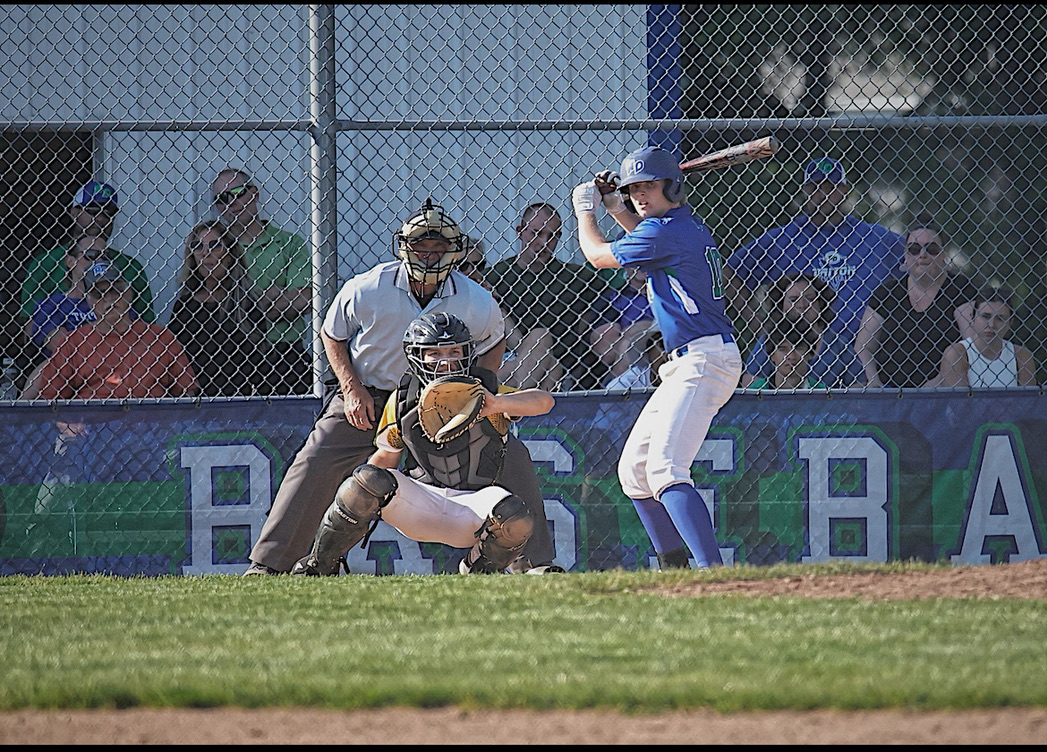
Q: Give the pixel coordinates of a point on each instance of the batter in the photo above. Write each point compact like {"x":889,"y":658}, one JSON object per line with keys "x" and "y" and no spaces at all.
{"x":676,"y":251}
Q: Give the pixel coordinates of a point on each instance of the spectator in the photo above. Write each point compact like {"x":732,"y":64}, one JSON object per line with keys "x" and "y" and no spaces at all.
{"x":62,"y":312}
{"x":474,"y":266}
{"x":853,"y":256}
{"x":474,"y":262}
{"x":1031,"y":327}
{"x":421,"y":482}
{"x":553,"y":303}
{"x":644,"y":373}
{"x":616,"y":415}
{"x":217,"y":315}
{"x":280,"y":266}
{"x":804,"y":297}
{"x":908,"y":323}
{"x":619,"y":340}
{"x":115,"y":356}
{"x":789,"y":346}
{"x":93,"y":213}
{"x":987,"y":358}
{"x":362,"y":336}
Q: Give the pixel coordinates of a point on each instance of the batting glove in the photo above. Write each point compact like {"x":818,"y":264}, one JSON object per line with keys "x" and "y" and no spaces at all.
{"x":607,"y":182}
{"x":585,"y":197}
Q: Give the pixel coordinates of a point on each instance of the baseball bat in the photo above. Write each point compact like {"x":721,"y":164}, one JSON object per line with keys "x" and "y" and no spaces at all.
{"x":738,"y":154}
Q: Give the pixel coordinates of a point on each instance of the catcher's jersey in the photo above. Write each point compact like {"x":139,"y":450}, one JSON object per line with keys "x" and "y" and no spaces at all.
{"x":468,"y":463}
{"x":684,"y":275}
{"x":373,"y":310}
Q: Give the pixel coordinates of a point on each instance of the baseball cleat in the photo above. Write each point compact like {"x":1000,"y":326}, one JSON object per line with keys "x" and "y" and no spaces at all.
{"x":546,"y":569}
{"x":257,"y":568}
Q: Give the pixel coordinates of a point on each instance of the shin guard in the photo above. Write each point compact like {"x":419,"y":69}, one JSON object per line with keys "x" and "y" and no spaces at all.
{"x":356,"y":507}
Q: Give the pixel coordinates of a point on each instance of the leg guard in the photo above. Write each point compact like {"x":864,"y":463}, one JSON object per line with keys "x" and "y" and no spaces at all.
{"x":500,"y":539}
{"x":357,"y":506}
{"x":675,"y":559}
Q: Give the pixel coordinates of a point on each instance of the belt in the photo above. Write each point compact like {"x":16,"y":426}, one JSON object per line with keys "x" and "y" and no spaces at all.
{"x":682,"y":350}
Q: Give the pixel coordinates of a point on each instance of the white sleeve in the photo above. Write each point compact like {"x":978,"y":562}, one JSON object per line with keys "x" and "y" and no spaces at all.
{"x":339,"y":320}
{"x":493,"y":331}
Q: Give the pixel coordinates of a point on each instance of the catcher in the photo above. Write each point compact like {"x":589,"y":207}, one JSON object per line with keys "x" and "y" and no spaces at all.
{"x":436,"y":475}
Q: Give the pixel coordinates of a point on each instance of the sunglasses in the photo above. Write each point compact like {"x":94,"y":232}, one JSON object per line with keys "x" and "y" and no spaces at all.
{"x":933,"y":249}
{"x":199,"y":246}
{"x":110,"y":293}
{"x":95,"y":209}
{"x":227,"y":197}
{"x":91,"y":254}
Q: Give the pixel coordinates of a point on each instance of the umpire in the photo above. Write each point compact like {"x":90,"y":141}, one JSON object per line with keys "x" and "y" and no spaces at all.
{"x":362,"y":335}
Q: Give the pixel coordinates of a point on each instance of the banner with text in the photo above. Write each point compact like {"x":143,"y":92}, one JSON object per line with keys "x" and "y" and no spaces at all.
{"x":184,"y":489}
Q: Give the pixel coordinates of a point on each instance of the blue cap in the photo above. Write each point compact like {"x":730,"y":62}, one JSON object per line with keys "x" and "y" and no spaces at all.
{"x":102,"y":271}
{"x":95,"y":192}
{"x":653,"y":163}
{"x":824,"y":169}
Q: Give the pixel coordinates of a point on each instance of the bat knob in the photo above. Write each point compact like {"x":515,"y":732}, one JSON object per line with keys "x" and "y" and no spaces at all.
{"x":606,"y":182}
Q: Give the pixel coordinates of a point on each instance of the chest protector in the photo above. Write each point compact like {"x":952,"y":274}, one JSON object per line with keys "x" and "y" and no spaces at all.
{"x":470,"y":462}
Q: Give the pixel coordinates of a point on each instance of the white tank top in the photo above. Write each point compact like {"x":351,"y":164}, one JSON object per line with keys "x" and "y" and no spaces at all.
{"x":1003,"y":371}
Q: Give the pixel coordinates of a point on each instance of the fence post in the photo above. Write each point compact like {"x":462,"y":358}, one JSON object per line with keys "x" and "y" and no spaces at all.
{"x":324,"y":180}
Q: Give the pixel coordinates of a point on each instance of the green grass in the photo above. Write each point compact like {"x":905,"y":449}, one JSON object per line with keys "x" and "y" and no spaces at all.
{"x":592,"y":640}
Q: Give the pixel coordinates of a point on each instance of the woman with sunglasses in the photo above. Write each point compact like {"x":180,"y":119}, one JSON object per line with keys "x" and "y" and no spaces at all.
{"x":217,"y":315}
{"x":908,"y":323}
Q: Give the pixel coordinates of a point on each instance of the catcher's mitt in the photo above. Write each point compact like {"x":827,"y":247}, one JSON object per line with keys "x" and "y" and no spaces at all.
{"x":449,"y":406}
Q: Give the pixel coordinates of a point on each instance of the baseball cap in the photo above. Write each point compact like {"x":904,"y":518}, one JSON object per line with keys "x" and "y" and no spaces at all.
{"x":102,"y":271}
{"x":95,"y":192}
{"x":824,"y":169}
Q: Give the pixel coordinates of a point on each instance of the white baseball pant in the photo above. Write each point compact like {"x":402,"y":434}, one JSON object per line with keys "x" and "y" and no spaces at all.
{"x":673,"y":424}
{"x":430,"y":514}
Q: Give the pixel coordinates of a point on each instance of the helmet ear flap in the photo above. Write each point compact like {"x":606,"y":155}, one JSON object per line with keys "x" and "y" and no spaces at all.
{"x":674,"y":190}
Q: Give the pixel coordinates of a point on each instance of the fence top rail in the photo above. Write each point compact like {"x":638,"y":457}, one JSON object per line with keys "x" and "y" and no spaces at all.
{"x":839,"y":123}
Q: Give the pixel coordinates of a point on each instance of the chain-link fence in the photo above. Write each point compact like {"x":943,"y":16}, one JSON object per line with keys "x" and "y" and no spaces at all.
{"x":235,"y":165}
{"x":933,"y":111}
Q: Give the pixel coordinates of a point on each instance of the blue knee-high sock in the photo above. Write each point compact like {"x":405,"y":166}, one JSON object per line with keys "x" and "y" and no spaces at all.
{"x":689,"y":514}
{"x":660,"y":529}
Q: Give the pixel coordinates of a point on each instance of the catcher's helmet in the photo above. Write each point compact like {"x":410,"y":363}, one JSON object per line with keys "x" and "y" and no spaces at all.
{"x":429,"y":222}
{"x":653,"y":163}
{"x":438,"y":329}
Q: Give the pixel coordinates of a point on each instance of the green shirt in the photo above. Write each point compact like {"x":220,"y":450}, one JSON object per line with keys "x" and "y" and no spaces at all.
{"x":765,"y":383}
{"x":282,"y":259}
{"x":47,"y":274}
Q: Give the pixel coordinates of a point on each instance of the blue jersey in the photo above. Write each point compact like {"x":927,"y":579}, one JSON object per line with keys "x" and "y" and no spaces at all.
{"x":59,"y":310}
{"x":684,"y":275}
{"x":853,"y":257}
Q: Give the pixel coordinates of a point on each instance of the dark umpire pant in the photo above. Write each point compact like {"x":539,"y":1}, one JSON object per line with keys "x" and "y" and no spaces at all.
{"x":332,"y":450}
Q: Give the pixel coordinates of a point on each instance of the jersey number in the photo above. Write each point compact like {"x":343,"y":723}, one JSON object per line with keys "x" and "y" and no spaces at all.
{"x":712,"y":258}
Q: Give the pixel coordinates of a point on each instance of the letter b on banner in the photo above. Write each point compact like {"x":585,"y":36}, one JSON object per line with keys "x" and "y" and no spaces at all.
{"x":230,"y":492}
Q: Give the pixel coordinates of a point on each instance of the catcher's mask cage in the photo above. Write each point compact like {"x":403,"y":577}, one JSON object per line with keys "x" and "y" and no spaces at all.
{"x":438,"y":329}
{"x":653,"y":163}
{"x":430,"y":222}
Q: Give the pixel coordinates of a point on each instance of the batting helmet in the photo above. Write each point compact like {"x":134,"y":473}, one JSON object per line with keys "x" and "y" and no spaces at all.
{"x":438,"y":329}
{"x":653,"y":163}
{"x":429,"y":222}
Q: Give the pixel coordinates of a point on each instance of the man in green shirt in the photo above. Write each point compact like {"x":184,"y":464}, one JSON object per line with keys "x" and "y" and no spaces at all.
{"x":93,"y":213}
{"x":279,"y":264}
